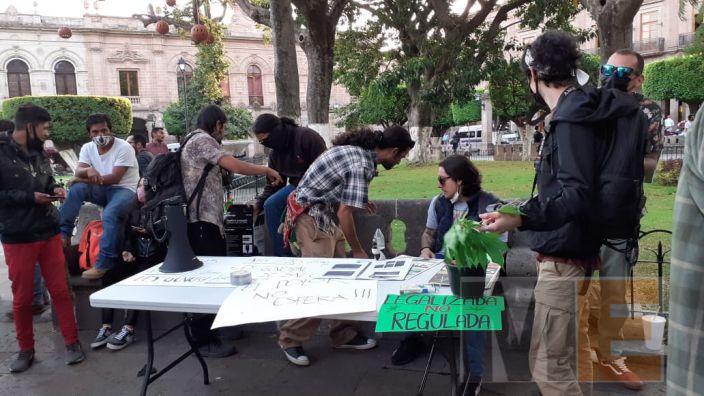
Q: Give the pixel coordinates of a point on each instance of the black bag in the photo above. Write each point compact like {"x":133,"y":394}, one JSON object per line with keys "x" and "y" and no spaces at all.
{"x":620,"y":198}
{"x":163,"y":185}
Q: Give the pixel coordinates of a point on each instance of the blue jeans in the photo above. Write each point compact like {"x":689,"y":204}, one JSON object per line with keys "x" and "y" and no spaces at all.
{"x":474,"y":348}
{"x":274,"y":207}
{"x":116,"y":203}
{"x":39,"y":288}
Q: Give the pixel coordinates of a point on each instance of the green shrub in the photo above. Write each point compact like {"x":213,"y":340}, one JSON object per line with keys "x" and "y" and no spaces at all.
{"x":668,"y":172}
{"x":69,"y":113}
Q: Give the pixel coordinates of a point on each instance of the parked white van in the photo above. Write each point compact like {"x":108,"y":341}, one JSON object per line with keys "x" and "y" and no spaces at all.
{"x":470,"y":137}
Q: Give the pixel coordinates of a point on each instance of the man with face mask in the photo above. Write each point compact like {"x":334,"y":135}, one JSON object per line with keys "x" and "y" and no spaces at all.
{"x":320,"y":210}
{"x":560,"y":222}
{"x":623,"y":71}
{"x":293,"y":149}
{"x":29,"y":229}
{"x":107,"y":175}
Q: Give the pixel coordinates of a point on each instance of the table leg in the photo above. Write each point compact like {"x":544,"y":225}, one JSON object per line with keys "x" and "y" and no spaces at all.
{"x":453,"y":367}
{"x":194,"y":348}
{"x":150,"y":354}
{"x":427,"y":366}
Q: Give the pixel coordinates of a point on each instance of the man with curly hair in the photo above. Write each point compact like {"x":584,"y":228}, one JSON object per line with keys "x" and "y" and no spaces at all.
{"x":559,"y":222}
{"x":321,"y":211}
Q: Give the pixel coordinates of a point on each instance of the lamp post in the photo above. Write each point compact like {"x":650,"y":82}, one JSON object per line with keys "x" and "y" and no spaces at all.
{"x":183,"y":66}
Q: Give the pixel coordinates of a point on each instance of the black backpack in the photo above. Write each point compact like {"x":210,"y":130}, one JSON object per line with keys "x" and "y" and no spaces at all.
{"x":163,"y":185}
{"x":620,"y":198}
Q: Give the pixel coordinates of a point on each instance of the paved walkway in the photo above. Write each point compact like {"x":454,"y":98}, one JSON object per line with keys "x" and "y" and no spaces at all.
{"x":258,"y":368}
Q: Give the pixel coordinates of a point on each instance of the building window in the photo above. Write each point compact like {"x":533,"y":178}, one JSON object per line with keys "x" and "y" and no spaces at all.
{"x":225,"y":88}
{"x":65,"y":77}
{"x":254,"y":86}
{"x":128,"y":83}
{"x":182,"y":78}
{"x":18,"y":78}
{"x":647,"y":26}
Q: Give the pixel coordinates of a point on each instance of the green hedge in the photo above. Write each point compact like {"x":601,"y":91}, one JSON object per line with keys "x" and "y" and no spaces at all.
{"x":679,"y":78}
{"x":69,"y":113}
{"x":464,"y":113}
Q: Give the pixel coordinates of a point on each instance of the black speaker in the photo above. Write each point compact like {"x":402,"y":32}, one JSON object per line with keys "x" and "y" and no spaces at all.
{"x":179,"y":254}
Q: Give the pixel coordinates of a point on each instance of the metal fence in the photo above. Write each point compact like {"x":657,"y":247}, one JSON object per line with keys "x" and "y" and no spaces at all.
{"x":672,"y":152}
{"x":243,"y":189}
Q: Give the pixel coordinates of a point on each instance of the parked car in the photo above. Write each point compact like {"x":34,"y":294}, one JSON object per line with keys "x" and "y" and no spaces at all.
{"x":510,"y":138}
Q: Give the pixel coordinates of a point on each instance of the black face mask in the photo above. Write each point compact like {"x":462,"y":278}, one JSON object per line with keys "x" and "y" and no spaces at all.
{"x":537,"y":98}
{"x":32,"y":141}
{"x":614,"y":82}
{"x":277,"y":139}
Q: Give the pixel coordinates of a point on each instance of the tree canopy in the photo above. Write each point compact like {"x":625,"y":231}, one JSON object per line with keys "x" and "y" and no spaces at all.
{"x":680,"y":78}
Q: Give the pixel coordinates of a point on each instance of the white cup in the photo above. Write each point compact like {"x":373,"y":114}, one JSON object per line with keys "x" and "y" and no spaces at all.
{"x":654,"y":329}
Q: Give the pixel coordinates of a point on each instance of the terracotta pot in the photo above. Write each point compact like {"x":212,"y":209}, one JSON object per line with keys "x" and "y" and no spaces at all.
{"x":170,"y":3}
{"x":162,"y":27}
{"x":199,"y":33}
{"x":65,"y":32}
{"x":466,"y":282}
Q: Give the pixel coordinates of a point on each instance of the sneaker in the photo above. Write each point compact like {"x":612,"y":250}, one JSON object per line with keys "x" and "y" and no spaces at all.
{"x":93,"y":273}
{"x":408,"y":350}
{"x":217,"y":349}
{"x":297,"y":356}
{"x":74,"y":353}
{"x":618,"y":371}
{"x":359,"y":342}
{"x":102,"y":338}
{"x":23,"y":362}
{"x":473,"y":386}
{"x":121,"y":339}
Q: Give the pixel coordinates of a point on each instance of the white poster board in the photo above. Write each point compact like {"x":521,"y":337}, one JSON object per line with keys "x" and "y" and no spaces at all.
{"x":293,"y":298}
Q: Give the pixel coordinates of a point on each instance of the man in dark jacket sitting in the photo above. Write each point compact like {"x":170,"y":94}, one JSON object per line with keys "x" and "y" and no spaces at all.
{"x":293,"y":149}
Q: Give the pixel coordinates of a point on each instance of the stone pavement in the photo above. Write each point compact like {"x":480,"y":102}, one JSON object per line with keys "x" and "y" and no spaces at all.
{"x":258,"y":369}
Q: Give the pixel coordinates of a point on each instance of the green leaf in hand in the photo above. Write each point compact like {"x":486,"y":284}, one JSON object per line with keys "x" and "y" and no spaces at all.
{"x":510,"y":210}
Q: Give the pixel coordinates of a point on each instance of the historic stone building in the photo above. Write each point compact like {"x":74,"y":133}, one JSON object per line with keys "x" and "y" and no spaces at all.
{"x":118,"y":56}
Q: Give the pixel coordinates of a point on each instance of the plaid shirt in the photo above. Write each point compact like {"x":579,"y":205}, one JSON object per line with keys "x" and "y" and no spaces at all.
{"x":685,"y":362}
{"x":654,"y":113}
{"x":341,"y":175}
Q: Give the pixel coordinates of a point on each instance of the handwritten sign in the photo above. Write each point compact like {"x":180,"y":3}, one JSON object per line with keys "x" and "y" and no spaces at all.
{"x":291,"y":298}
{"x":217,"y":274}
{"x":430,"y":312}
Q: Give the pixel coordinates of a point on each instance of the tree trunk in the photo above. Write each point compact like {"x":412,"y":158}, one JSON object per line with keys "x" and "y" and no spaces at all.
{"x":288,"y":101}
{"x":693,"y":107}
{"x":420,"y":122}
{"x":319,"y":48}
{"x":614,"y":20}
{"x":527,"y":140}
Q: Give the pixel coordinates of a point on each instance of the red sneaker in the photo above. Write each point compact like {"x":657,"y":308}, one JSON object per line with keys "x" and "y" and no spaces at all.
{"x":618,"y":371}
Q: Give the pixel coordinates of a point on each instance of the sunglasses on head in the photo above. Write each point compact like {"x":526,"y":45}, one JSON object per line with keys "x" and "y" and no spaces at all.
{"x":442,"y":180}
{"x":620,"y":71}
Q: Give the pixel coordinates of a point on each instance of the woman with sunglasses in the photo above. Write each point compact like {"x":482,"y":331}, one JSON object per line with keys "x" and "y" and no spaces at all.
{"x":461,"y":196}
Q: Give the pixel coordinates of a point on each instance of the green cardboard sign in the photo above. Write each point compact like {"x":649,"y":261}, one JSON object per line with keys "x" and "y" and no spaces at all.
{"x":430,"y":312}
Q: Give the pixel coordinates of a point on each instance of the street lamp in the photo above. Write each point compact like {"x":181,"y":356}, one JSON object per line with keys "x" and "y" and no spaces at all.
{"x":183,"y":66}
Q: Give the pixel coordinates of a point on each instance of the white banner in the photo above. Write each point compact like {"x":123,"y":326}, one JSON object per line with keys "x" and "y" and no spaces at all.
{"x":293,"y":298}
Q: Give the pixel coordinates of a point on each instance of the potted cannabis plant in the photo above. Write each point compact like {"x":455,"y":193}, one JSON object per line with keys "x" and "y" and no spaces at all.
{"x":467,"y":253}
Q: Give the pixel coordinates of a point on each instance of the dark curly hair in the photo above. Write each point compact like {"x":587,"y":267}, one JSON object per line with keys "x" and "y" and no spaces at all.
{"x":460,"y":168}
{"x":554,"y":55}
{"x":391,"y":137}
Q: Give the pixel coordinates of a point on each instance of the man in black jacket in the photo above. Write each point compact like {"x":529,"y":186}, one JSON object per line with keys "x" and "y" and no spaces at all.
{"x":560,"y":221}
{"x":294,"y":148}
{"x":29,"y":225}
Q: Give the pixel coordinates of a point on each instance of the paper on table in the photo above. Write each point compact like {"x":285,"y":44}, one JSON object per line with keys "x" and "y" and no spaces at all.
{"x":282,"y":299}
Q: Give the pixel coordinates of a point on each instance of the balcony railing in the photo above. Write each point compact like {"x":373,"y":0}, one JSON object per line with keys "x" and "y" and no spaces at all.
{"x":134,"y":99}
{"x":651,"y":45}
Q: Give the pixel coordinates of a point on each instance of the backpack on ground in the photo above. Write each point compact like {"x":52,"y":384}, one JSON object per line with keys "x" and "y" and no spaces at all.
{"x":163,"y":185}
{"x":89,"y":246}
{"x":620,"y":198}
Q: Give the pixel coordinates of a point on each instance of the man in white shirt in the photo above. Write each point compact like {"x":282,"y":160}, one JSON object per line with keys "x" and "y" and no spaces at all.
{"x":688,"y":123}
{"x":107,"y":175}
{"x":669,"y":124}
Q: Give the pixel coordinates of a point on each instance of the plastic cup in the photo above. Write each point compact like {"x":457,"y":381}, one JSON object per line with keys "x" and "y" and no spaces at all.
{"x":654,"y":329}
